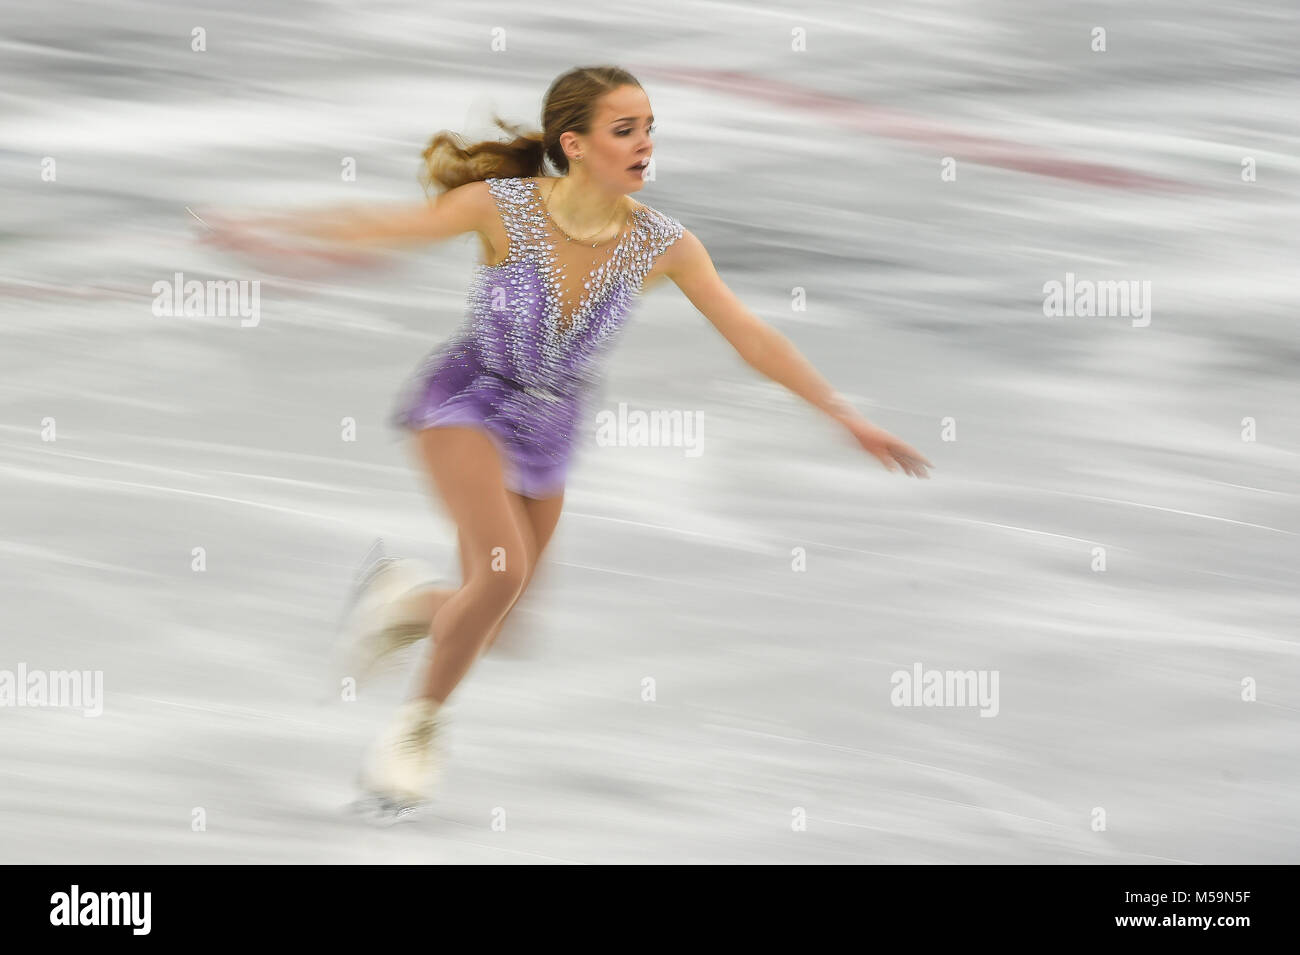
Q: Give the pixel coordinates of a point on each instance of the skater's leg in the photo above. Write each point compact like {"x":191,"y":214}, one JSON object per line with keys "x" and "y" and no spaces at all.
{"x":466,"y":470}
{"x":539,"y":518}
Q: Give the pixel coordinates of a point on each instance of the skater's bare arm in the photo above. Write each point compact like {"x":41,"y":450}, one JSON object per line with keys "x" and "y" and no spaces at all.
{"x":773,"y":355}
{"x":455,"y":212}
{"x":760,"y":345}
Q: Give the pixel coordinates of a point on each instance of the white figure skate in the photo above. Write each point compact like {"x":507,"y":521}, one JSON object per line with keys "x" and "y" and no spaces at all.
{"x":402,"y":768}
{"x":374,"y":626}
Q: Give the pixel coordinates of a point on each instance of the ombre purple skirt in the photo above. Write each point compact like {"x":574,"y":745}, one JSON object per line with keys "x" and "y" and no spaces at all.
{"x":533,"y":429}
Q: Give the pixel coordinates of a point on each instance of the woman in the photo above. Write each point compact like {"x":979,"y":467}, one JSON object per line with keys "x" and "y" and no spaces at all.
{"x":495,"y":410}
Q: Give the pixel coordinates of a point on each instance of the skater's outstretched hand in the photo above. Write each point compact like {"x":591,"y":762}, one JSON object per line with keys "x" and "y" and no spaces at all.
{"x":892,"y":452}
{"x":773,"y":355}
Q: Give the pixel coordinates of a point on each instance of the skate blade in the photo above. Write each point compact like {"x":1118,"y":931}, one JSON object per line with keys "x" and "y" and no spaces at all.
{"x":383,"y":809}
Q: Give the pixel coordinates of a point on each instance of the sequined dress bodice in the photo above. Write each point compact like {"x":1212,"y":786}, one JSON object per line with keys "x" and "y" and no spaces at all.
{"x":537,"y":328}
{"x":545,"y":316}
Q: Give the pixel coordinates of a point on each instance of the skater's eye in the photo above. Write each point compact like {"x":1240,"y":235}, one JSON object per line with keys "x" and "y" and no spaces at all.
{"x":624,"y":132}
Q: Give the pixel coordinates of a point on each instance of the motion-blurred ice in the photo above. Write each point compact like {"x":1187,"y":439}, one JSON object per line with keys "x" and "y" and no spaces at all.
{"x":820,"y":170}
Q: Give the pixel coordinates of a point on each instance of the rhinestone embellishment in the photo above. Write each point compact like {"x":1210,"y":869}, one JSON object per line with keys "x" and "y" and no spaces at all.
{"x":531,"y":349}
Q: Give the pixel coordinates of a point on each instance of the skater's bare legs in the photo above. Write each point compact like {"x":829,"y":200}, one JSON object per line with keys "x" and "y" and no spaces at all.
{"x":466,"y":471}
{"x":541,"y":516}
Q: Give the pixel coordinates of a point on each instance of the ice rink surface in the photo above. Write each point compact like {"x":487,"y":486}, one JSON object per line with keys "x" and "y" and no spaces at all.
{"x":1125,"y":690}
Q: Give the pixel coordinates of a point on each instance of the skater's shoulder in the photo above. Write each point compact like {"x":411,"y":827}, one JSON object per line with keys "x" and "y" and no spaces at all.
{"x":660,"y":228}
{"x":651,"y":214}
{"x":511,"y":186}
{"x":684,"y":258}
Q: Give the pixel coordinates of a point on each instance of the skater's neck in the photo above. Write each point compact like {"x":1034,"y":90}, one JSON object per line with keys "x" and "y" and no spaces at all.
{"x":582,"y":206}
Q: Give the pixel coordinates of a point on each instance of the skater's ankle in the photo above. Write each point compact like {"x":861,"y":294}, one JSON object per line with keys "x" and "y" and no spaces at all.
{"x":423,"y":706}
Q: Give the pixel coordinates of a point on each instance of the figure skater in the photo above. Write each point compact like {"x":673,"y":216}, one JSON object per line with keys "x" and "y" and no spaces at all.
{"x":495,"y":410}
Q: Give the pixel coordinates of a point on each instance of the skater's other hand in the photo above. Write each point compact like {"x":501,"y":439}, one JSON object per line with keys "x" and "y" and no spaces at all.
{"x":238,"y":235}
{"x":892,"y":452}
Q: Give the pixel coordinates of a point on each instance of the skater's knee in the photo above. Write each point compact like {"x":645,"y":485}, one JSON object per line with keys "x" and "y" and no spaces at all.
{"x":496,"y":561}
{"x":499,"y":586}
{"x":503,"y":586}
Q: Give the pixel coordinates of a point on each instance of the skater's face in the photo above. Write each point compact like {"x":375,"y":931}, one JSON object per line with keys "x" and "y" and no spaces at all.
{"x":616,"y":152}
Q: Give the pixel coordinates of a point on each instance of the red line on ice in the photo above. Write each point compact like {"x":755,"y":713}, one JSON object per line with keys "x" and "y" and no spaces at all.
{"x":984,"y":150}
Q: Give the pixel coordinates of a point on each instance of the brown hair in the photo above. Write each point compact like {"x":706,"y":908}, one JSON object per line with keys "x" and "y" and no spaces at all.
{"x":569,"y":104}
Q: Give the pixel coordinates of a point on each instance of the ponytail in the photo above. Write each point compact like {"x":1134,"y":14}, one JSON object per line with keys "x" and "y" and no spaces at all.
{"x":449,"y":162}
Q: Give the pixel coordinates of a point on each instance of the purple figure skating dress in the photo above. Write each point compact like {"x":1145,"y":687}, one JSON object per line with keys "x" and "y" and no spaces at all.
{"x":529,"y":354}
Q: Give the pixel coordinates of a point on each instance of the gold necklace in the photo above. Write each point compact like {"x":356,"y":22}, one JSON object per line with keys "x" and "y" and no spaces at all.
{"x":571,"y":238}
